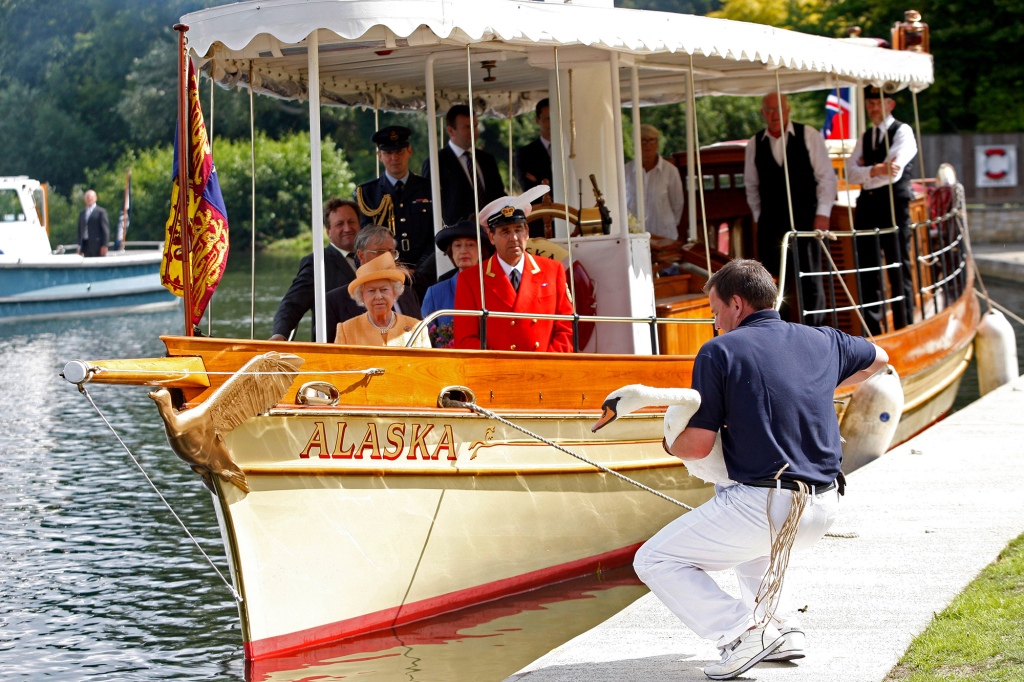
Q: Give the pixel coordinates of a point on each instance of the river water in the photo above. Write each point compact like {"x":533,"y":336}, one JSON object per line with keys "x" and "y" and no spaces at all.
{"x":98,"y":582}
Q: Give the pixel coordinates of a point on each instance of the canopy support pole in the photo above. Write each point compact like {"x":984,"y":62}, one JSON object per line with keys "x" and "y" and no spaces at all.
{"x":691,"y":166}
{"x":638,"y":169}
{"x":620,"y":161}
{"x":432,"y":142}
{"x":316,"y":216}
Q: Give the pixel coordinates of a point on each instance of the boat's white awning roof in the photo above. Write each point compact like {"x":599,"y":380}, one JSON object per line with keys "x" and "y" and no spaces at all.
{"x":377,"y":49}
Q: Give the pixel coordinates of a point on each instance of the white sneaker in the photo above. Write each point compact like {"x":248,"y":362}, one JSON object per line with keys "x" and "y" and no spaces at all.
{"x":792,"y":646}
{"x":745,"y":652}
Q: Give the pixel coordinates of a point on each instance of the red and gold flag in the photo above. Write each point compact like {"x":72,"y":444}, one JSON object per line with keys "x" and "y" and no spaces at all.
{"x":207,"y":217}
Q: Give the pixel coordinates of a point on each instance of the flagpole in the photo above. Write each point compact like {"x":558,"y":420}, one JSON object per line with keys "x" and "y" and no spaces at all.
{"x":184,"y":125}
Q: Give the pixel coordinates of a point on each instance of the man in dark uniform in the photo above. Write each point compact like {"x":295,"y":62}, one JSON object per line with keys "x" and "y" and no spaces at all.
{"x":341,"y":218}
{"x":884,"y":155}
{"x":455,"y":162}
{"x":400,"y":201}
{"x":812,"y":184}
{"x":767,"y":386}
{"x":533,"y":162}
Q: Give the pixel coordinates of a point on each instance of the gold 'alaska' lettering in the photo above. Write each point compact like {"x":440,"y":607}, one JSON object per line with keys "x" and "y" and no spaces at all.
{"x":369,"y":441}
{"x":447,"y":442}
{"x":317,"y":440}
{"x":418,"y":441}
{"x":396,"y":437}
{"x":339,"y":447}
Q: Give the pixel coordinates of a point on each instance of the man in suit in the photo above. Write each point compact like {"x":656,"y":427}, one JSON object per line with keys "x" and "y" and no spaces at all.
{"x":455,"y":164}
{"x":533,"y":162}
{"x":812,"y":186}
{"x":884,"y":155}
{"x":514,"y":281}
{"x":93,"y":228}
{"x":400,"y":200}
{"x":341,"y":218}
{"x":371,"y":242}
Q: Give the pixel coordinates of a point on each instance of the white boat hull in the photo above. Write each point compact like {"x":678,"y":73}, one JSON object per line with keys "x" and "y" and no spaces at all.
{"x":335,"y":544}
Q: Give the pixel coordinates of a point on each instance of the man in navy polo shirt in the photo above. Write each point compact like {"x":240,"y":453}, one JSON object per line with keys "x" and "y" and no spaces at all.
{"x":767,"y":385}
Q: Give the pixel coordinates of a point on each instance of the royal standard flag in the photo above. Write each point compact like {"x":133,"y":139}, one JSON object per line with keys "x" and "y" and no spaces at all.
{"x":207,"y":218}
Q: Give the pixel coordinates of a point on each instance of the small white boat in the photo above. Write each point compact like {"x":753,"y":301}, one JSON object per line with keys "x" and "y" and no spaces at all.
{"x":37,"y":283}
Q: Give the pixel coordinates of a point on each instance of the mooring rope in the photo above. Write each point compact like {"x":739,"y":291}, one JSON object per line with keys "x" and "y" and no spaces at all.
{"x":473,"y":407}
{"x":234,"y":593}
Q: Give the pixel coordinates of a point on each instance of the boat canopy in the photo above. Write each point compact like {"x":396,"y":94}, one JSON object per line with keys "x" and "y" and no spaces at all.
{"x":372,"y":52}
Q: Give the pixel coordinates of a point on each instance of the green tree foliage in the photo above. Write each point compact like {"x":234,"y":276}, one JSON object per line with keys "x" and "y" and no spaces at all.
{"x":283,"y":194}
{"x":978,"y":52}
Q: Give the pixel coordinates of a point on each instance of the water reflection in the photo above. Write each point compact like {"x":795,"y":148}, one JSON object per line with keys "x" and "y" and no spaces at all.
{"x":486,"y":642}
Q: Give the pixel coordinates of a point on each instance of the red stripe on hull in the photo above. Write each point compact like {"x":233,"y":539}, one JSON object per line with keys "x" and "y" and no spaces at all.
{"x":427,"y":608}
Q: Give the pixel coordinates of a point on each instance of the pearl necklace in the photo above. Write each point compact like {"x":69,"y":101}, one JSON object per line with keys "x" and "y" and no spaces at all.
{"x":385,"y":330}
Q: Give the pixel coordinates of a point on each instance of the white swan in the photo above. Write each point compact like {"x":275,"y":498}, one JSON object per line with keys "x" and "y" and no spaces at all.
{"x":682,"y":405}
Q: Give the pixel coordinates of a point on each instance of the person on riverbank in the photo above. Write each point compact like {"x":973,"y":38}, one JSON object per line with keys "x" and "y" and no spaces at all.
{"x":376,"y":286}
{"x":372,"y":242}
{"x":341,"y":218}
{"x":884,"y":156}
{"x":93,"y":228}
{"x":400,"y":200}
{"x":767,"y":386}
{"x":512,"y":280}
{"x":812,"y":192}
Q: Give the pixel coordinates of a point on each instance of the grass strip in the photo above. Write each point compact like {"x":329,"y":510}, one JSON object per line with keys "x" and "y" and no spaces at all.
{"x":980,"y":636}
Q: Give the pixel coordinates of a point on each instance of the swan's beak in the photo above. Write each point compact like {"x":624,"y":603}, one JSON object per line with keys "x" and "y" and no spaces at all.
{"x":608,"y":414}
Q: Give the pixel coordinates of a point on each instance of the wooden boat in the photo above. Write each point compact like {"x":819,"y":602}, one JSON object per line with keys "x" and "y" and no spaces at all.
{"x":370,"y":504}
{"x":37,"y":283}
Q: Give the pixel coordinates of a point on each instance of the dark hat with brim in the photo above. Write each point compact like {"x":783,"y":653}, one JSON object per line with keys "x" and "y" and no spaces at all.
{"x":392,"y":138}
{"x":464,"y":229}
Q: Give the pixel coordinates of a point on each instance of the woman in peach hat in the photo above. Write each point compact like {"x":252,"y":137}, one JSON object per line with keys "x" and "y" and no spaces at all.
{"x":376,"y":286}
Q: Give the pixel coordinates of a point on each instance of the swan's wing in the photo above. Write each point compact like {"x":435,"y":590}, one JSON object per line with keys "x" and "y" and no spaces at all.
{"x":255,"y":388}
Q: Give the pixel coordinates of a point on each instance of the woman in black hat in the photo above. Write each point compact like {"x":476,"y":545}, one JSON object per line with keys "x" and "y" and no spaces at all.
{"x":459,"y":243}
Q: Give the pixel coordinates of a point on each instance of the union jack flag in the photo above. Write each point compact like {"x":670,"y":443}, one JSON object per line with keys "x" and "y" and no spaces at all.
{"x":837,"y":115}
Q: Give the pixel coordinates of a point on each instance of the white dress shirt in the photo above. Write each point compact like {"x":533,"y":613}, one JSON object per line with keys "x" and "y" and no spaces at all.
{"x":509,"y":268}
{"x":459,"y":151}
{"x":902,"y":151}
{"x":663,"y":197}
{"x":824,"y":174}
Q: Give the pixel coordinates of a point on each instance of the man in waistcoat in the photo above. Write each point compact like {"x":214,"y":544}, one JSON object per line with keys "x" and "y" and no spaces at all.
{"x":884,"y":156}
{"x":400,"y":201}
{"x":812,"y":184}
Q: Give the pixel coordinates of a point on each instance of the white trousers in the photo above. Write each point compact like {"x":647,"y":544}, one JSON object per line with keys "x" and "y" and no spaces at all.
{"x":728,"y":531}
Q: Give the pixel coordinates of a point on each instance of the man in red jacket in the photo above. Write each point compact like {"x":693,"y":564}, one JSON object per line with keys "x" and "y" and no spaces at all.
{"x":514,"y":281}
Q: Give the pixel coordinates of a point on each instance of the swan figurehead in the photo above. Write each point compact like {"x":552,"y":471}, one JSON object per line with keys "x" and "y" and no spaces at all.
{"x":682,"y":404}
{"x":197,"y":435}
